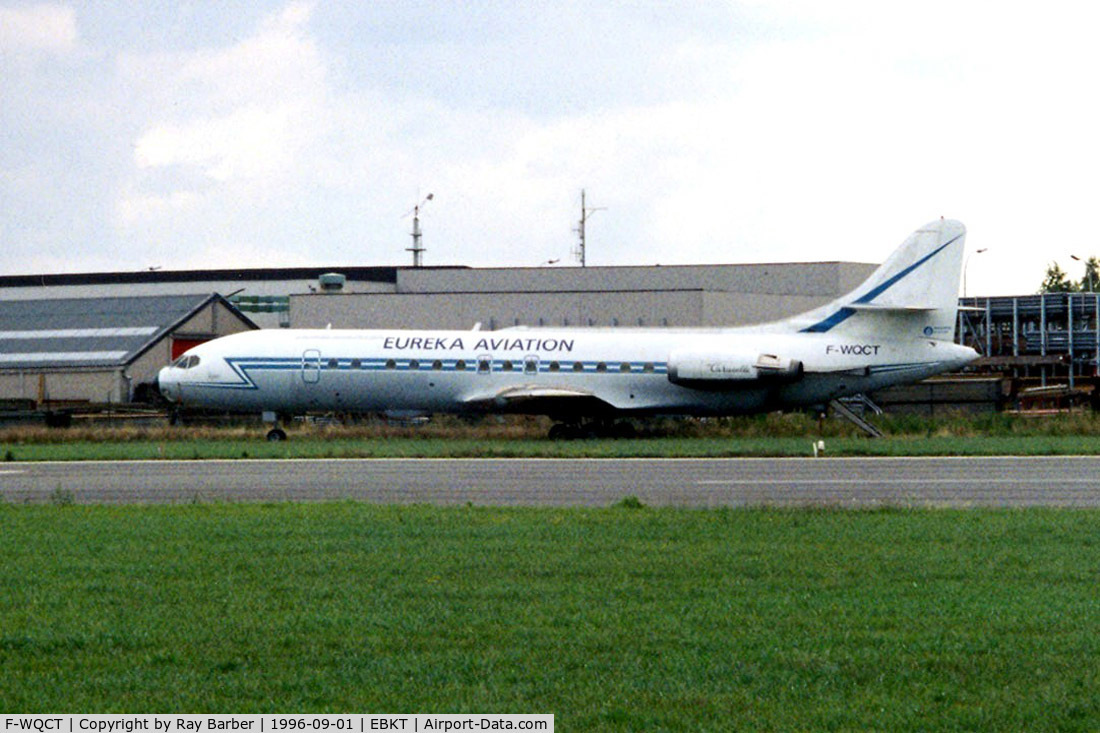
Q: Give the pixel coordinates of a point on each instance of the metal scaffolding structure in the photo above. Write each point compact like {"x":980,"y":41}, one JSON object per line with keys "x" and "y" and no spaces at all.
{"x":1048,"y":336}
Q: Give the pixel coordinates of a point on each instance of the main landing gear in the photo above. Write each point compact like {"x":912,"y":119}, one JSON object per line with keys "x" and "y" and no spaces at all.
{"x":592,"y":429}
{"x":276,"y":434}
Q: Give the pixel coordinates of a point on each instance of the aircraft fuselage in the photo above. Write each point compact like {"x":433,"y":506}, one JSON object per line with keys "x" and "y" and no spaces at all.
{"x":543,"y":371}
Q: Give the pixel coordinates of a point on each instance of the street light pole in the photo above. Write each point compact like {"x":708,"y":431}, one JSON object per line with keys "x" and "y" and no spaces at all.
{"x":1088,"y":272}
{"x":967,"y":264}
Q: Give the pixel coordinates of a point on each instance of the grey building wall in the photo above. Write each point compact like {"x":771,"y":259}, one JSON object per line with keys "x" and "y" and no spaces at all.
{"x":807,"y":279}
{"x":680,"y":296}
{"x":495,"y":310}
{"x":669,"y":308}
{"x":741,"y":309}
{"x":108,"y":385}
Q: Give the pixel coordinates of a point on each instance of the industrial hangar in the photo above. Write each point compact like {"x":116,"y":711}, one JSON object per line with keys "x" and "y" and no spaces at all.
{"x":103,"y":351}
{"x":101,"y":337}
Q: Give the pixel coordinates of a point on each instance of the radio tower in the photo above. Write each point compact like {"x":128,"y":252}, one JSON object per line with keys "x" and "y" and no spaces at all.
{"x":585,"y":212}
{"x":417,"y":249}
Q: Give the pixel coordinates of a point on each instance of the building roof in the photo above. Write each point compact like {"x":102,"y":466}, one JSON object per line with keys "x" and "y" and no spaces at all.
{"x":92,"y":332}
{"x":381,"y":274}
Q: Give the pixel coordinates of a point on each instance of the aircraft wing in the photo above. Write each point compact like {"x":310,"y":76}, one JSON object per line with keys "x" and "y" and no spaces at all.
{"x":537,"y":400}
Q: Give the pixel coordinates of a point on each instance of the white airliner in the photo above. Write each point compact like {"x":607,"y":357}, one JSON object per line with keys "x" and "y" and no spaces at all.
{"x":897,"y":327}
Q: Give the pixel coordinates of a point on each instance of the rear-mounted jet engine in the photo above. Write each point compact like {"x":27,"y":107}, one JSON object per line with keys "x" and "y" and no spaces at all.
{"x":721,"y":371}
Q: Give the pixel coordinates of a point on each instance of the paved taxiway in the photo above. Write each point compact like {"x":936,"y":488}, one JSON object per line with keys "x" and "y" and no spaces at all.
{"x":1052,"y":481}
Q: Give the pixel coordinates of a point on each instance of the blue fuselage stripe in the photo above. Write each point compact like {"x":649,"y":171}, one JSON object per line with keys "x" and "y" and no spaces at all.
{"x":243,"y":367}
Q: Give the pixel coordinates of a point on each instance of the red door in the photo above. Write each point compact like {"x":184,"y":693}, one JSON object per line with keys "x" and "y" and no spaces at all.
{"x":181,"y":345}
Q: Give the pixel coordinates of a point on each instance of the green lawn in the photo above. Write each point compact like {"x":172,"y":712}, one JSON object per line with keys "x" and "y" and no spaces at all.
{"x":612,"y":619}
{"x":763,"y":435}
{"x":673,"y":447}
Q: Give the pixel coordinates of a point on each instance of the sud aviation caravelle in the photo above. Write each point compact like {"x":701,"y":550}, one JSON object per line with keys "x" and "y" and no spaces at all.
{"x":896,"y":327}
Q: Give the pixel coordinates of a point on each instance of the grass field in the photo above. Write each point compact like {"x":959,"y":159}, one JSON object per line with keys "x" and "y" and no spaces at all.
{"x":769,"y":435}
{"x":612,"y":619}
{"x":341,"y":447}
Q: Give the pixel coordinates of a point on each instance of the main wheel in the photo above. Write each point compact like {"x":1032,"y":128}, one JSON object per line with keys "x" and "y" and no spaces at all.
{"x":276,"y":435}
{"x":565,"y":431}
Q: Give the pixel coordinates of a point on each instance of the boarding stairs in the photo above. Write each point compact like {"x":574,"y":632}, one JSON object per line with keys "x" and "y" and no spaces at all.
{"x":853,"y":409}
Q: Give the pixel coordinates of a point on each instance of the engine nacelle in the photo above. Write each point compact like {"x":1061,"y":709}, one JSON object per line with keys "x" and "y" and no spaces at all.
{"x":726,"y":370}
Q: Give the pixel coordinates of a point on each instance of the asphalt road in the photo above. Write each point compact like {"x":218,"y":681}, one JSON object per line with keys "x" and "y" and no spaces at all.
{"x":848,"y":482}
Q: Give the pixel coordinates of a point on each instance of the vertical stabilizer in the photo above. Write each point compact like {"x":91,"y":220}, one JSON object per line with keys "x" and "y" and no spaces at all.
{"x":914,"y":293}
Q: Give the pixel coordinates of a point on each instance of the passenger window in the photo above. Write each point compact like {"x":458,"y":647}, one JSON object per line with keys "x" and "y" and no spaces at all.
{"x":391,"y":364}
{"x":333,"y":364}
{"x":506,"y":366}
{"x":414,"y":364}
{"x":624,"y":367}
{"x":460,"y":365}
{"x":484,"y":364}
{"x":601,"y":367}
{"x":555,"y":366}
{"x":437,"y":365}
{"x":356,"y":363}
{"x":578,"y":367}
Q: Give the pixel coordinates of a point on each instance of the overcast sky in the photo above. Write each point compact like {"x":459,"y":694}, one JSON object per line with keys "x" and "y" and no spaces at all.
{"x":195,"y":135}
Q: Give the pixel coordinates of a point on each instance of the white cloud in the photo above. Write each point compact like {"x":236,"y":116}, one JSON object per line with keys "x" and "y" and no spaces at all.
{"x":246,"y":143}
{"x":47,"y":27}
{"x":744,"y":131}
{"x":136,"y":208}
{"x":276,"y":65}
{"x":240,"y":116}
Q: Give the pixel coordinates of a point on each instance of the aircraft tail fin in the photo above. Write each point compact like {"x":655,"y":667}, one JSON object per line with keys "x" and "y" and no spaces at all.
{"x":914,"y":293}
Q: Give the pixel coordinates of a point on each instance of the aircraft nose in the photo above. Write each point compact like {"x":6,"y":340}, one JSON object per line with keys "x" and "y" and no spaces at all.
{"x":165,"y":386}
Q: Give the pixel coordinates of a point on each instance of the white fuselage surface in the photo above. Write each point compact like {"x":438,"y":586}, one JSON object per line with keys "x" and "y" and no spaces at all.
{"x":548,"y":371}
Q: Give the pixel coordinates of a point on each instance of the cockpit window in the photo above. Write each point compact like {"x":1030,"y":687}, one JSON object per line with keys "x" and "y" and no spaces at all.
{"x":188,"y":361}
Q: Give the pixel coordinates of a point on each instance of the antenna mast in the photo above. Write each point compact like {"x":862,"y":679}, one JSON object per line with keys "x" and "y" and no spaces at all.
{"x":578,"y":252}
{"x":417,"y":249}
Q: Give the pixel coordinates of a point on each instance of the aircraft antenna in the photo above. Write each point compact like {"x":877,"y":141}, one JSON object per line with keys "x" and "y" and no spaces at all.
{"x":417,"y":249}
{"x":578,"y":251}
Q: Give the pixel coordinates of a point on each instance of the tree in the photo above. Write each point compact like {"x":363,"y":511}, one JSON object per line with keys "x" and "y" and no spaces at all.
{"x":1090,"y":283}
{"x":1056,"y":281}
